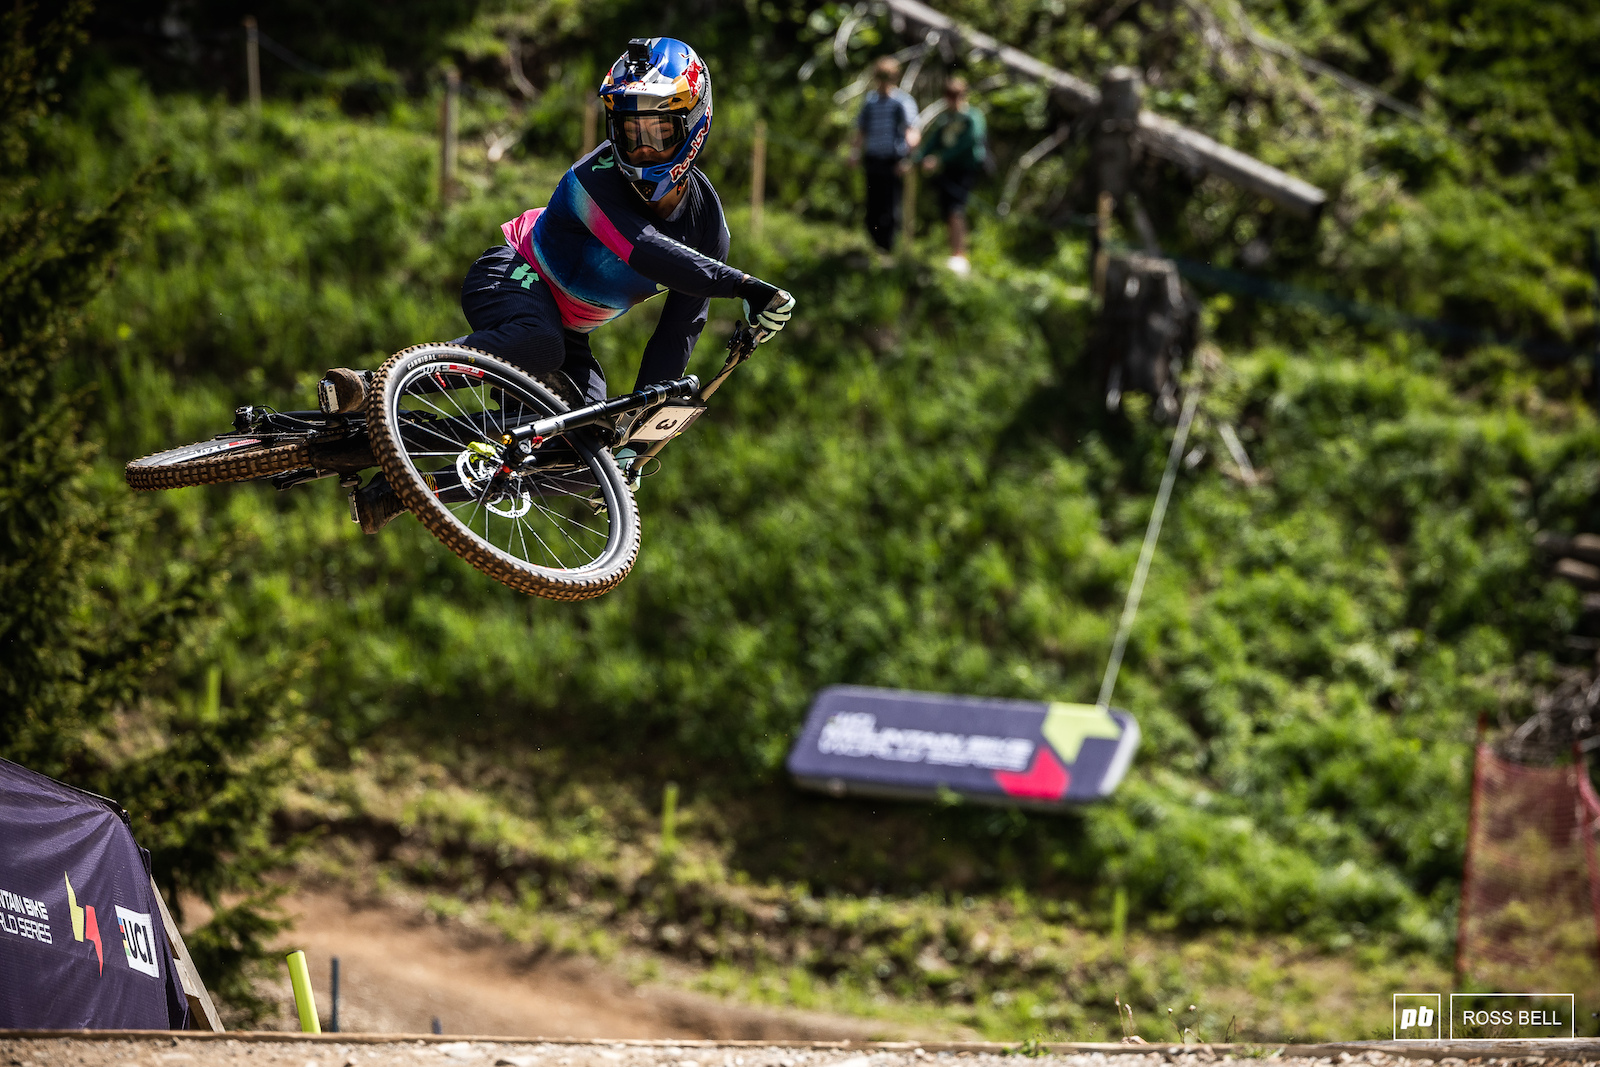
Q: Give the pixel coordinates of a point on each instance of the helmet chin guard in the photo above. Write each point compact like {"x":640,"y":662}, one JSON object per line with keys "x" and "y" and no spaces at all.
{"x":657,"y":97}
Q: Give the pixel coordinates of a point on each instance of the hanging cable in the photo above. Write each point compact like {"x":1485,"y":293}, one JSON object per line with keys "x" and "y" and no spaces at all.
{"x":1151,"y":534}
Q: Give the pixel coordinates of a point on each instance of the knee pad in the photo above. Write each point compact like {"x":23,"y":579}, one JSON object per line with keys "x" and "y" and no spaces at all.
{"x":535,"y":349}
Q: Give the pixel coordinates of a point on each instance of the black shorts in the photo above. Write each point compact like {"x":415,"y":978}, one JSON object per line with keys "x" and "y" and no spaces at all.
{"x":953,"y":187}
{"x":514,"y":316}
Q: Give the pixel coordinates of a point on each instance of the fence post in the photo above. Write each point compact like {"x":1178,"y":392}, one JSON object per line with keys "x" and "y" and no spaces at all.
{"x":591,"y":118}
{"x":252,"y":61}
{"x":758,"y":178}
{"x":448,"y":109}
{"x":1121,"y":99}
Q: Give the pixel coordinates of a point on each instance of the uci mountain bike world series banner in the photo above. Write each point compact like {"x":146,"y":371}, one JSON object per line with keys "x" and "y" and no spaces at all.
{"x":82,"y":943}
{"x":894,"y":743}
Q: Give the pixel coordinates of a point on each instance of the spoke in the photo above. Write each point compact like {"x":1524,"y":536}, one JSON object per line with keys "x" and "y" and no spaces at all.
{"x":524,"y":540}
{"x":478,"y":428}
{"x":477,"y":506}
{"x":451,"y":394}
{"x":451,"y":420}
{"x":578,"y":544}
{"x":556,"y":488}
{"x":571,"y":521}
{"x":511,"y":521}
{"x":554,"y":559}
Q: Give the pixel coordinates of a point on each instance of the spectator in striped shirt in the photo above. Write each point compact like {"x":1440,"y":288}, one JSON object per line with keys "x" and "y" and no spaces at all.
{"x":886,"y":132}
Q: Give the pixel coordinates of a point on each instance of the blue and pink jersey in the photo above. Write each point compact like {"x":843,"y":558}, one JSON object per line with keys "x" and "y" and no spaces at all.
{"x":601,"y":250}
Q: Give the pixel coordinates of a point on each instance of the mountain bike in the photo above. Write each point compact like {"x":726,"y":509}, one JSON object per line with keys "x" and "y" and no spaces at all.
{"x":513,"y":472}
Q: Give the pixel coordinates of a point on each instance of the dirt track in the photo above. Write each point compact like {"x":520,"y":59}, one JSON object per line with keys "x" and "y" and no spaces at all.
{"x":398,"y":974}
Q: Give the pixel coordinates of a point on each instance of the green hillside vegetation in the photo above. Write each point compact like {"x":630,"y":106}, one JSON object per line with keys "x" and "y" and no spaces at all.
{"x":917,"y":485}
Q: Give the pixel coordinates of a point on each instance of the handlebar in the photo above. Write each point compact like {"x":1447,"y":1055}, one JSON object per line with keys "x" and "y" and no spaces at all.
{"x":593,"y":413}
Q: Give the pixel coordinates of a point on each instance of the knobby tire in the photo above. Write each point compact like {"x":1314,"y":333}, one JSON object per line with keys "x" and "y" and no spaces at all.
{"x":553,"y":583}
{"x":176,"y":468}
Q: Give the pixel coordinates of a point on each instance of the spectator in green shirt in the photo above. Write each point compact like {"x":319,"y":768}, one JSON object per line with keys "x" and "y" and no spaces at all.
{"x":953,"y":153}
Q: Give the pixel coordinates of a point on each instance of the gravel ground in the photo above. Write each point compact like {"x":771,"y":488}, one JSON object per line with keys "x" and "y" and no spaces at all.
{"x":332,"y":1051}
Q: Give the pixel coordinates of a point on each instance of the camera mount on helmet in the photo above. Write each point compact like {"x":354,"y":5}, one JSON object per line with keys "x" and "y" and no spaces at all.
{"x":638,"y":56}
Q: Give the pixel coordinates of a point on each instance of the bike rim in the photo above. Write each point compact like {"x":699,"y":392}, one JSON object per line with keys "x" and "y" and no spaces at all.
{"x":556,"y":517}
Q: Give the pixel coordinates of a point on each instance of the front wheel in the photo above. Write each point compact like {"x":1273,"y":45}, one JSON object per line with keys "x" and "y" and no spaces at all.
{"x":565,"y":528}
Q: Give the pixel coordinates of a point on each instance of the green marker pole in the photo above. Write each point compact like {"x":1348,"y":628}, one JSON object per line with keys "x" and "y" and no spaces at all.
{"x":1119,"y":921}
{"x":304,"y":1002}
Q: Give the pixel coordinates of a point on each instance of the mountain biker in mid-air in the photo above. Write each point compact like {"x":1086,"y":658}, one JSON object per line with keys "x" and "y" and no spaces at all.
{"x":632,"y":219}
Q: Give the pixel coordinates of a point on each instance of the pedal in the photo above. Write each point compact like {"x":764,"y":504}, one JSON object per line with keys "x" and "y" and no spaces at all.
{"x":350,"y":498}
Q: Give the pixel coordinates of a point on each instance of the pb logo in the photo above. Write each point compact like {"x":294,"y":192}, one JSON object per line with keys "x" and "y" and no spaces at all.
{"x":138,"y":941}
{"x":1418,"y":1017}
{"x":1410,"y":1018}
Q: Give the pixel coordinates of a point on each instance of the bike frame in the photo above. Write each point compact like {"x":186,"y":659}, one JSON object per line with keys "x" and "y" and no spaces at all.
{"x":347,"y":433}
{"x":642,"y":404}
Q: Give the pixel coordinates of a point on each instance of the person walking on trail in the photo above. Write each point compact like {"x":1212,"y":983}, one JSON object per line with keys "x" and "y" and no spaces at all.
{"x":886,"y":132}
{"x":953,"y":153}
{"x":629,"y":221}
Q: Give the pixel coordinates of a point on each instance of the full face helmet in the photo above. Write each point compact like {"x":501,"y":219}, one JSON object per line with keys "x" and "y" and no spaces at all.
{"x":658,"y":112}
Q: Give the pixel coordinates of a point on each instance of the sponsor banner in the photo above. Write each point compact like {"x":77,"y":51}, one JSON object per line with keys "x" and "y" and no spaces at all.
{"x":890,"y":742}
{"x":79,"y":948}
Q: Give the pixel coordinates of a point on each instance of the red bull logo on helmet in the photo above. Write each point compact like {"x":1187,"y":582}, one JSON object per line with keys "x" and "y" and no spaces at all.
{"x":681,"y":168}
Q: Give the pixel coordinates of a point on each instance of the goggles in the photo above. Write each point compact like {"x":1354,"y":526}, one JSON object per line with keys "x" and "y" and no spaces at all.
{"x":647,"y":138}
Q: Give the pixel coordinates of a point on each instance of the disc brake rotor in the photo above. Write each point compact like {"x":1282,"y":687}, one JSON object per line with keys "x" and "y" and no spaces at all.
{"x":477,"y":466}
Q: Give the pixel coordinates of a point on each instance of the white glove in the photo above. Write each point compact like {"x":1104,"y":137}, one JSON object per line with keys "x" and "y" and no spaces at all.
{"x":774,"y":317}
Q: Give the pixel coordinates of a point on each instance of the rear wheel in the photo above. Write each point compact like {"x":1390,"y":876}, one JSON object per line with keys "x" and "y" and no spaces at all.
{"x":221,"y":459}
{"x":565,"y":528}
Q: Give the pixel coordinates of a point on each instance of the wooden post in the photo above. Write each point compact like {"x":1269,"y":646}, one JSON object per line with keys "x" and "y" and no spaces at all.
{"x":203,"y":1011}
{"x":1102,"y":234}
{"x":1121,"y":97}
{"x":252,"y":61}
{"x":591,"y":119}
{"x":758,"y":178}
{"x":908,"y":202}
{"x":448,"y":109}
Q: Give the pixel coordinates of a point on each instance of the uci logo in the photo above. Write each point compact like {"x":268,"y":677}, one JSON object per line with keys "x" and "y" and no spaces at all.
{"x":138,"y":941}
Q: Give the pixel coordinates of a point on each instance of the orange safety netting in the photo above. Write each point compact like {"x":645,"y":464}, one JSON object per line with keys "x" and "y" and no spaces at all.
{"x":1530,"y":892}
